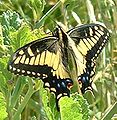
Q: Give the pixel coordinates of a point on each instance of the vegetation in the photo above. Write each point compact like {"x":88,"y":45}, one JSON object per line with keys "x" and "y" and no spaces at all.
{"x":25,"y":98}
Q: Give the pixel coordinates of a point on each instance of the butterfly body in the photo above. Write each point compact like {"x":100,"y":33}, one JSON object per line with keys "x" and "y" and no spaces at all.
{"x":48,"y":58}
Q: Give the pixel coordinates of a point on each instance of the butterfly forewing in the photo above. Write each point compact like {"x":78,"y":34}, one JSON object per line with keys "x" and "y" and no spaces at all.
{"x":40,"y":58}
{"x":46,"y":59}
{"x":90,"y":39}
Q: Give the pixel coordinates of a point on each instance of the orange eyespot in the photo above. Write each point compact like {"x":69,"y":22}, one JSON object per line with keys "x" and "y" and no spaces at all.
{"x":79,"y":81}
{"x":70,"y":85}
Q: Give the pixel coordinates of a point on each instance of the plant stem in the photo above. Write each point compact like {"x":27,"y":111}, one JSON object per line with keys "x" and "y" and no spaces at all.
{"x":16,"y":93}
{"x":24,"y":102}
{"x":40,"y":22}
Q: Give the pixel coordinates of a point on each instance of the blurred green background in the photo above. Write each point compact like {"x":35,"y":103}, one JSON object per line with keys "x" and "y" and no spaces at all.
{"x":22,"y":98}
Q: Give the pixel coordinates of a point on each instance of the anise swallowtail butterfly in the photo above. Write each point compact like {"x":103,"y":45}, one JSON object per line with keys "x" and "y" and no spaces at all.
{"x":48,"y":58}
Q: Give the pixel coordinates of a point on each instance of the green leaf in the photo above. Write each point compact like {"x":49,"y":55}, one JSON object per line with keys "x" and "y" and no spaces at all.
{"x":3,"y":67}
{"x":45,"y":100}
{"x":109,"y":113}
{"x":74,"y":108}
{"x":3,"y":113}
{"x":19,"y":37}
{"x":23,"y":36}
{"x":10,"y":22}
{"x":10,"y":19}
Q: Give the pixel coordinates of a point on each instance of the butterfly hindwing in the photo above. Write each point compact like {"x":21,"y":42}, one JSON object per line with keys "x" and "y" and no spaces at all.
{"x":60,"y":87}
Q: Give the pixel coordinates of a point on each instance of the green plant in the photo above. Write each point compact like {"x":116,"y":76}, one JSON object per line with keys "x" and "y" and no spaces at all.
{"x":24,"y":97}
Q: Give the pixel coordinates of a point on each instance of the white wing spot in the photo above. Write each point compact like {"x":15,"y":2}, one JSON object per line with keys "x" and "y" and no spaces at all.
{"x":95,"y":55}
{"x":18,"y":70}
{"x":23,"y":71}
{"x":14,"y":69}
{"x":65,"y":93}
{"x":44,"y":75}
{"x":108,"y":34}
{"x":98,"y":51}
{"x":106,"y":37}
{"x":53,"y":89}
{"x":21,"y":52}
{"x":37,"y":50}
{"x":100,"y":47}
{"x":96,"y":28}
{"x":28,"y":72}
{"x":103,"y":43}
{"x":10,"y":67}
{"x":47,"y":84}
{"x":33,"y":73}
{"x":104,"y":40}
{"x":59,"y":96}
{"x":90,"y":31}
{"x":38,"y":74}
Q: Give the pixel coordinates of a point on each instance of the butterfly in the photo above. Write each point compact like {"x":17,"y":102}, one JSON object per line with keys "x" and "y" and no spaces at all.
{"x":48,"y":58}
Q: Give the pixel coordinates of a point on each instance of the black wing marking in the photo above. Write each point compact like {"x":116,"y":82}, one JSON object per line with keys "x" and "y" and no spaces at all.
{"x":90,"y":39}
